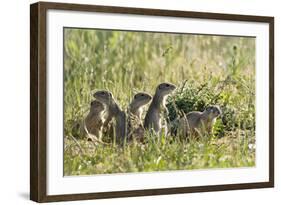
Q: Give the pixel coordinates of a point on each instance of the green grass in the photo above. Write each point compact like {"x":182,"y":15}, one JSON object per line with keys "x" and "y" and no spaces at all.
{"x":207,"y":70}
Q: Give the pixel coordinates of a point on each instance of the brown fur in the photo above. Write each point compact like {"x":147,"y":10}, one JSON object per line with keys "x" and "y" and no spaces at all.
{"x":113,"y":111}
{"x":135,"y":126}
{"x":93,"y":122}
{"x":198,"y":123}
{"x":154,"y":119}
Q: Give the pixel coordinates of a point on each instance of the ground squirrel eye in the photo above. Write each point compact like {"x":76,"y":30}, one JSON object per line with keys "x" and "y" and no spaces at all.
{"x":167,"y":85}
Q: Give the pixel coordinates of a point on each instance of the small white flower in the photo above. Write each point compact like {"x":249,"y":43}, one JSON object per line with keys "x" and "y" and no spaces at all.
{"x":252,"y":146}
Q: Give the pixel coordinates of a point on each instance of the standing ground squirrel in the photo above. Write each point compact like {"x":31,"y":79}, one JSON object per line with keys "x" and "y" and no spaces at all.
{"x":135,"y":126}
{"x":112,"y":112}
{"x":93,"y":122}
{"x":199,"y":122}
{"x":153,"y":119}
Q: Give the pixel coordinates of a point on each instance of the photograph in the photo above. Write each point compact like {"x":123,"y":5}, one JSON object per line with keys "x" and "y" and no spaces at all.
{"x":128,"y":101}
{"x":148,"y":101}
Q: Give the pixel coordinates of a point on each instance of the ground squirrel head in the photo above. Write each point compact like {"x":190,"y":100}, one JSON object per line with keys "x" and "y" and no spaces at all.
{"x":96,"y":106}
{"x":164,"y":89}
{"x":213,"y":111}
{"x":104,"y":96}
{"x":140,"y":99}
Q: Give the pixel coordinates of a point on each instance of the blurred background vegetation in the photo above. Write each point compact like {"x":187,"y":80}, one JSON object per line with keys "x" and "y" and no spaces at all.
{"x":206,"y":69}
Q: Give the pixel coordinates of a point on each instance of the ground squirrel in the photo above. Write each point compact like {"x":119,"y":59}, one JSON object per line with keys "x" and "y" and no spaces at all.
{"x":93,"y":122}
{"x":153,"y":119}
{"x":135,"y":126}
{"x":197,"y":123}
{"x":113,"y":111}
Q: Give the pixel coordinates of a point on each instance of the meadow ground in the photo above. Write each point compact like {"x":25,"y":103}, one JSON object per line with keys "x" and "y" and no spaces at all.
{"x":206,"y":69}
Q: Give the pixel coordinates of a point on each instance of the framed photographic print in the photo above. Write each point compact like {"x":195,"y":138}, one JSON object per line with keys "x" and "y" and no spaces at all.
{"x":134,"y":102}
